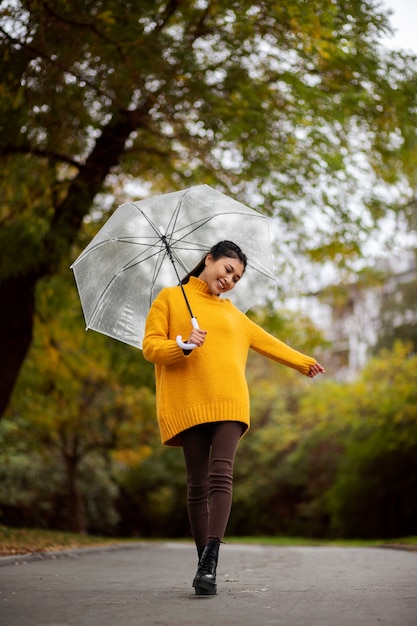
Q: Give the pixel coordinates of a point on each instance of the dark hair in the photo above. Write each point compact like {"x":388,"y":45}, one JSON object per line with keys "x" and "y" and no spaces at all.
{"x":219,"y":250}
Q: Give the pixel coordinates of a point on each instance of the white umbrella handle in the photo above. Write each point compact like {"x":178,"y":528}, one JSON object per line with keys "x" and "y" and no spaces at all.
{"x":188,"y":346}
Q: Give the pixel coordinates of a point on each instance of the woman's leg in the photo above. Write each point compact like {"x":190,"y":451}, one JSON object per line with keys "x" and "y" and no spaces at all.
{"x":224,"y":442}
{"x":210,"y":477}
{"x":196,"y":444}
{"x":224,"y":438}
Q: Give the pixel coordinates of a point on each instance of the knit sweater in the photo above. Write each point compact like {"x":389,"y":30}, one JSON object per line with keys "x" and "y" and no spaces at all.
{"x":209,"y":383}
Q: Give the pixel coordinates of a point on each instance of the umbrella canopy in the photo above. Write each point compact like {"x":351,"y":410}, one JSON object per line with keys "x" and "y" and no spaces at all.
{"x":146,"y":245}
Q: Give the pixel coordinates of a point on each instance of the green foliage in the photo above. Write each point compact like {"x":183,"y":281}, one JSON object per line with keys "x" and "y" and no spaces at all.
{"x":152,"y":499}
{"x":266,"y":489}
{"x":292,"y":327}
{"x":398,"y":316}
{"x":339,"y":462}
{"x":28,"y":486}
{"x":226,"y":93}
{"x":76,"y":403}
{"x":373,"y":492}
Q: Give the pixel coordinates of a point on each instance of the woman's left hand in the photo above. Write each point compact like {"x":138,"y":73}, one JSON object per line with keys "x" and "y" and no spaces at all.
{"x":315,"y":369}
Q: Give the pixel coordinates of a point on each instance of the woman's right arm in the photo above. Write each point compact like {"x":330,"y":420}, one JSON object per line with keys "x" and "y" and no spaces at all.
{"x":157,"y":347}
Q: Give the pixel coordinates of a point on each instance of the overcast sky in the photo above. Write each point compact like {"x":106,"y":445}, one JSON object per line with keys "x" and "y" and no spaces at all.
{"x":403,"y":19}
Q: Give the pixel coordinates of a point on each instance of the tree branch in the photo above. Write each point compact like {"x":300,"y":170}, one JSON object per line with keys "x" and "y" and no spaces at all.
{"x":48,"y":154}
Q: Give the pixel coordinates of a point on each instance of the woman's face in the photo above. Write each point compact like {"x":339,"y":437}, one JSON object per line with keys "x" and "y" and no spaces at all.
{"x":222,"y":275}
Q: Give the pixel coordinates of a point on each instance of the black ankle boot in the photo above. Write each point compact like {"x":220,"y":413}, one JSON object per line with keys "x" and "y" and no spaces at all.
{"x":200,"y":550}
{"x":205,"y":578}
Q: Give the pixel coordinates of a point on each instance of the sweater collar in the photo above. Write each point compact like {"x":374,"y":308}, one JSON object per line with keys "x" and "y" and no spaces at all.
{"x":200,"y":286}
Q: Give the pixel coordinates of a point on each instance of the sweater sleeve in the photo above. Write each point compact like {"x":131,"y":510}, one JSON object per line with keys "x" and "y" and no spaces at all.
{"x":157,"y":347}
{"x":271,"y":347}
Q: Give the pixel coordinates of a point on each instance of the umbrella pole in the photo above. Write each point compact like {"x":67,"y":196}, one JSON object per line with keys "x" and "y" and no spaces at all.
{"x":171,"y":258}
{"x":186,"y":300}
{"x":180,"y":342}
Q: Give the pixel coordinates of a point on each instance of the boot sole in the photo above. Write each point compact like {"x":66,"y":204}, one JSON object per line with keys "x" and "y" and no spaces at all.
{"x":201,"y":591}
{"x":204,"y":587}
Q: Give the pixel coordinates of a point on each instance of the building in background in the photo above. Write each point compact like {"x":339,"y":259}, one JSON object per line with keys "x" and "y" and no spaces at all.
{"x":366,"y":316}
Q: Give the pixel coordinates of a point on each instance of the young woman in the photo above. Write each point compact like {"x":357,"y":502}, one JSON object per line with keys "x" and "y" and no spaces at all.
{"x":202,"y":394}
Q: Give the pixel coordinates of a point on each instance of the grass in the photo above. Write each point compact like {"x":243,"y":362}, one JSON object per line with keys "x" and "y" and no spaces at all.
{"x":305,"y":541}
{"x":14,"y":541}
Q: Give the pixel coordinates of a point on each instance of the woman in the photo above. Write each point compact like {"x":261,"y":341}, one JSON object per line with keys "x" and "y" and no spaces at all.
{"x":202,"y":394}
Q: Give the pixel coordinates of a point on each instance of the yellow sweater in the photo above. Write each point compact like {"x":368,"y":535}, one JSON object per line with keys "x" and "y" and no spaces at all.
{"x":209,"y":384}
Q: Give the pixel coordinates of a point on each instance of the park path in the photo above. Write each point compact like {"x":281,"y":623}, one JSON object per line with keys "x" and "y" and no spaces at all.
{"x":149,"y":584}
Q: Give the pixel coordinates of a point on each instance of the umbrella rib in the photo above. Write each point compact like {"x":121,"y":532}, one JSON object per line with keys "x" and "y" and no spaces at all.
{"x":119,"y":239}
{"x":148,"y":219}
{"x":174,"y":217}
{"x":173,"y":240}
{"x":157,"y":269}
{"x":160,"y":241}
{"x":258,"y":268}
{"x":200,"y":223}
{"x":103,"y":293}
{"x":138,"y":261}
{"x":164,"y":240}
{"x":128,"y":266}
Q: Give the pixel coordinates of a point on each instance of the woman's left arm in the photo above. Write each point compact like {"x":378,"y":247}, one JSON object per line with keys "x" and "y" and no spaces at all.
{"x":316,"y":369}
{"x":271,"y":347}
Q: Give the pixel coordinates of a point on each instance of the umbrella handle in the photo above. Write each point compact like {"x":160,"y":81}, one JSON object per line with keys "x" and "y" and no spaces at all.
{"x":188,"y":346}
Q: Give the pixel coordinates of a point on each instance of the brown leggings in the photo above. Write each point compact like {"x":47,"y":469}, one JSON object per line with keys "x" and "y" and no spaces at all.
{"x":209,"y":452}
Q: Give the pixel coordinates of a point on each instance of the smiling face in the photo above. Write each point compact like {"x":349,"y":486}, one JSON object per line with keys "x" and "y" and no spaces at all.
{"x":223,"y":274}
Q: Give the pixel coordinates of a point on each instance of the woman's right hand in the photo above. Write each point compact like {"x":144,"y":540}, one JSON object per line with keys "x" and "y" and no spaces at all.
{"x":198,"y":337}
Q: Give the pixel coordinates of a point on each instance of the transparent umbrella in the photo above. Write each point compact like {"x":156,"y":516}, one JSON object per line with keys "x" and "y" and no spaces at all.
{"x":147,"y":245}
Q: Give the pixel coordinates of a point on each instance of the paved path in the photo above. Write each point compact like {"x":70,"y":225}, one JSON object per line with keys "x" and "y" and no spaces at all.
{"x":149,"y":584}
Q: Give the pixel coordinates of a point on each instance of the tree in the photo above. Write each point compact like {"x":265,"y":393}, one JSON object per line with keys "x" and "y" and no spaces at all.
{"x":398,"y":314}
{"x":258,"y":98}
{"x":267,"y":492}
{"x":77,"y":412}
{"x":373,"y":494}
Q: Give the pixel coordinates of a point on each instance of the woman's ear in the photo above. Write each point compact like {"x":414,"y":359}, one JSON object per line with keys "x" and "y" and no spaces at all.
{"x":208,"y":259}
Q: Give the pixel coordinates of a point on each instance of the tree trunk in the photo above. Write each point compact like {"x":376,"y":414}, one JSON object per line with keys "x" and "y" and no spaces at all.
{"x":17,"y":297}
{"x":76,"y":517}
{"x":17,"y":293}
